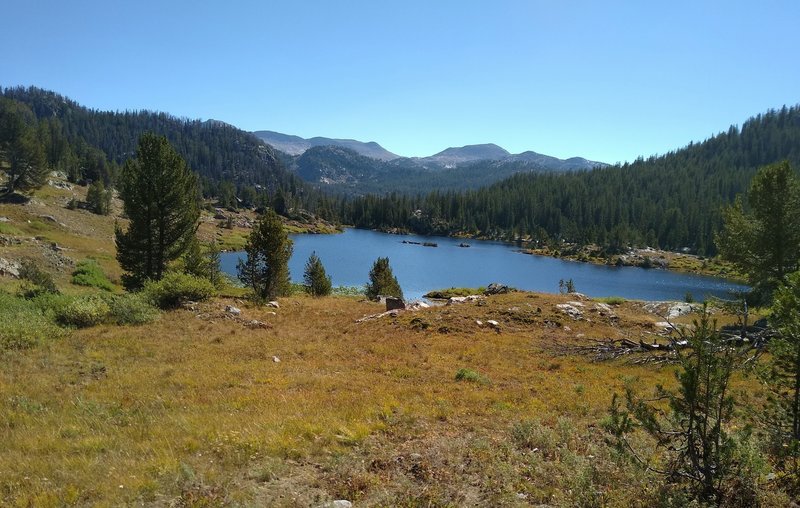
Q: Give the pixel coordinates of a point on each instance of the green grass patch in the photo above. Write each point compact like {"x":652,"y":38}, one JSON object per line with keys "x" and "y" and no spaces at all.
{"x":470,"y":376}
{"x":8,"y":229}
{"x":88,"y":273}
{"x":444,"y":294}
{"x":611,"y":300}
{"x":349,"y":291}
{"x":133,"y":309}
{"x":23,"y":323}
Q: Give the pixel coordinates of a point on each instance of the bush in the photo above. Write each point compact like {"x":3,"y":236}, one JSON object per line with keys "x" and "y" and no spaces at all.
{"x":531,"y":434}
{"x":40,"y":281}
{"x":83,"y":311}
{"x":133,"y":309}
{"x":470,"y":376}
{"x":88,"y":273}
{"x":23,"y":324}
{"x":176,"y":288}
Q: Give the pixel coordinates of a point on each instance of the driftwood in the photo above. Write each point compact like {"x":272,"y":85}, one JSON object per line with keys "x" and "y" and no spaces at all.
{"x":756,"y":337}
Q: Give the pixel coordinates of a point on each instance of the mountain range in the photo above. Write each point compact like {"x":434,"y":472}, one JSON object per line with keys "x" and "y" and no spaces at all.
{"x":446,"y":159}
{"x":357,"y":167}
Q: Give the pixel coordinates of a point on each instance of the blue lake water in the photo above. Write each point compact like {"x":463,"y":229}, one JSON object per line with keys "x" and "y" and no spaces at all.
{"x":348,"y":257}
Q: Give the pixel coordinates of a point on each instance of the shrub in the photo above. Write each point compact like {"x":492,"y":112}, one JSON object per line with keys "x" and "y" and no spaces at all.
{"x":470,"y":376}
{"x":42,"y":282}
{"x":531,"y":434}
{"x":83,"y":311}
{"x":133,"y":309}
{"x":88,"y":273}
{"x":176,"y":288}
{"x":23,"y":324}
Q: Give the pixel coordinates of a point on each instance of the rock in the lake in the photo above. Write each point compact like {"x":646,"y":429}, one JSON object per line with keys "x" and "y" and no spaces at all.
{"x":230,"y":309}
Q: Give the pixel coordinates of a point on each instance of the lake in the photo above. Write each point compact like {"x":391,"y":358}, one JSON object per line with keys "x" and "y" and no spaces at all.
{"x":349,"y":256}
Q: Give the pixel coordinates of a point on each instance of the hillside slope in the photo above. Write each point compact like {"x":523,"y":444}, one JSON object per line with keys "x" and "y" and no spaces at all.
{"x":670,"y":201}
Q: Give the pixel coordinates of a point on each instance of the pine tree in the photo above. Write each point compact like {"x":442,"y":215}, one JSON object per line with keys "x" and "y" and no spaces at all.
{"x":382,"y":281}
{"x":783,"y":377}
{"x":203,"y":264}
{"x":765,"y":242}
{"x":98,"y":198}
{"x":693,"y":428}
{"x":160,"y":196}
{"x":24,"y":158}
{"x":266,"y":269}
{"x":317,"y":282}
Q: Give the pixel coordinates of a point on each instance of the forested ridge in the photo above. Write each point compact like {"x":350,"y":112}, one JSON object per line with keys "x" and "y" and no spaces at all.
{"x":669,"y":201}
{"x":87,"y":144}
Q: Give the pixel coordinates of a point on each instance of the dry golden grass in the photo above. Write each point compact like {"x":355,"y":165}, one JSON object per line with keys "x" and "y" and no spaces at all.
{"x":193,"y":408}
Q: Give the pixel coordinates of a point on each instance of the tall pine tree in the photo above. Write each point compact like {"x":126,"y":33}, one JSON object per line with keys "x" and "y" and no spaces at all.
{"x":266,"y":269}
{"x":317,"y":282}
{"x":160,"y":196}
{"x":382,"y":281}
{"x":20,"y":150}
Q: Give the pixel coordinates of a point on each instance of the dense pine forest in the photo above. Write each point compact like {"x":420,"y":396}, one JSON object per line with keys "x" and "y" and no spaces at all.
{"x":92,"y":145}
{"x":670,"y":201}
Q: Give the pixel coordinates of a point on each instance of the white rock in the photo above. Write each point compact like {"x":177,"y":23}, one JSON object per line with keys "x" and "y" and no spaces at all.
{"x":274,"y":305}
{"x":230,"y":309}
{"x":679,"y":309}
{"x":479,"y":322}
{"x":494,"y":324}
{"x":276,"y":359}
{"x":9,"y":268}
{"x":339,"y":503}
{"x":416,"y":305}
{"x":570,"y":310}
{"x":464,"y":299}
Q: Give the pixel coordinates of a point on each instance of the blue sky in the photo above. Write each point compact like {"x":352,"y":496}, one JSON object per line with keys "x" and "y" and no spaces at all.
{"x":605,"y":80}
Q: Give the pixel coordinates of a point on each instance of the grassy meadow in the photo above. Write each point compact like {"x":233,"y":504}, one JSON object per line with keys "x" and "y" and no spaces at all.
{"x":299,"y":405}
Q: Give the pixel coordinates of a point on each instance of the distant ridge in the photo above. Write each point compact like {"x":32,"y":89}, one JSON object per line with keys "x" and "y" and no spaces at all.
{"x":446,"y":159}
{"x":295,"y":145}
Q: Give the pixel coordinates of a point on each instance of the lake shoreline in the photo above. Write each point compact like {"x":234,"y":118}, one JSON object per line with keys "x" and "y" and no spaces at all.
{"x":348,"y":256}
{"x":648,"y":258}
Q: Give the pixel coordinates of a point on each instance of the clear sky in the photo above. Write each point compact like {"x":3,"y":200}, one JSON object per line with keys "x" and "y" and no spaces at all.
{"x":605,"y":80}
